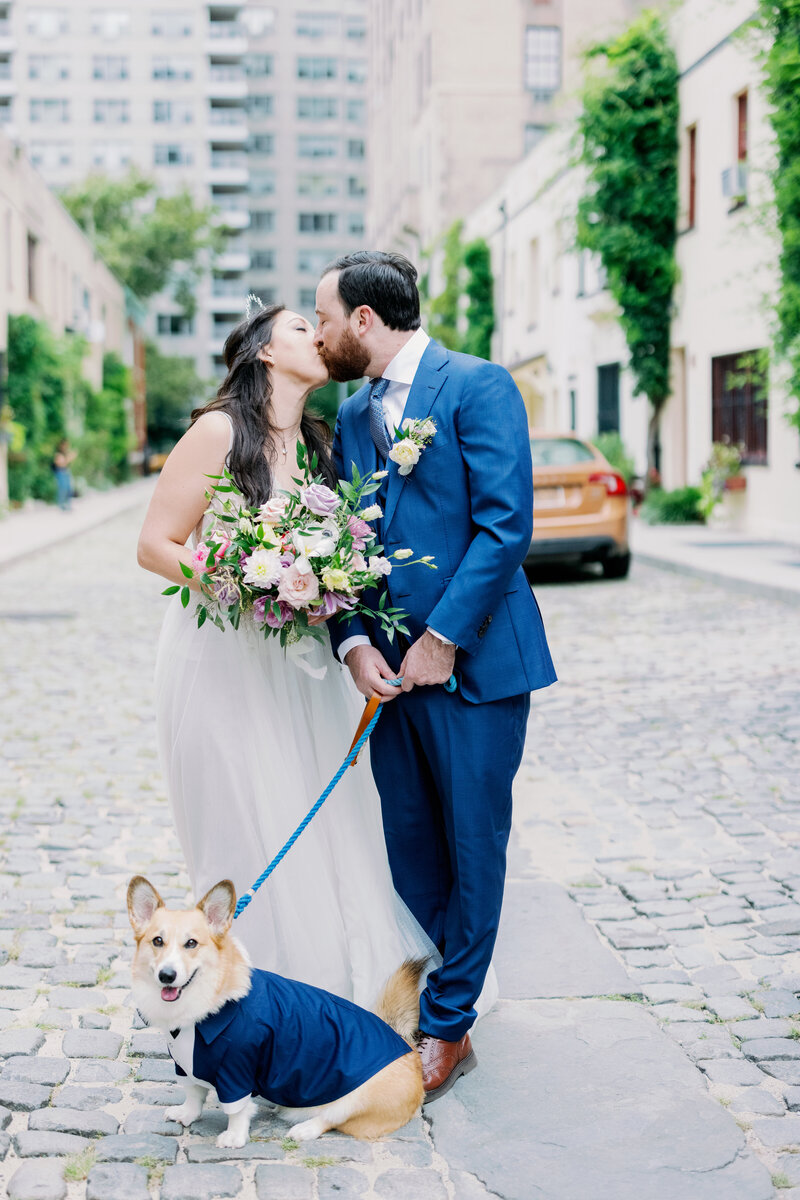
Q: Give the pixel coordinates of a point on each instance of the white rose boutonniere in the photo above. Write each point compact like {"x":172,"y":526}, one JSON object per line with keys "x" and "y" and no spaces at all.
{"x":411,"y":440}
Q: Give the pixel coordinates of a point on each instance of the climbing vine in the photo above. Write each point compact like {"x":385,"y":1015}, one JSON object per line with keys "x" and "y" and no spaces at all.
{"x":466,"y":271}
{"x":627,"y":216}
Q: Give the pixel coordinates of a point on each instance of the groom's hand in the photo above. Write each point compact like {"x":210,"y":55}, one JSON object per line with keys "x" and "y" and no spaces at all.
{"x":428,"y":661}
{"x":370,"y":671}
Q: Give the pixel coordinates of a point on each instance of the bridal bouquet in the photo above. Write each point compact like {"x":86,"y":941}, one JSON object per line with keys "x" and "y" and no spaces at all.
{"x":301,"y":555}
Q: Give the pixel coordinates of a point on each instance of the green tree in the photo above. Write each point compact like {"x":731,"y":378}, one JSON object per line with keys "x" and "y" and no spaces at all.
{"x":174,"y":388}
{"x":443,"y":310}
{"x":627,"y":216}
{"x":779,"y":20}
{"x":480,"y":291}
{"x":149,"y":241}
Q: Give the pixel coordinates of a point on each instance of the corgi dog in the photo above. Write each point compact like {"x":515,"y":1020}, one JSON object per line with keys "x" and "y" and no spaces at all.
{"x":247,"y":1032}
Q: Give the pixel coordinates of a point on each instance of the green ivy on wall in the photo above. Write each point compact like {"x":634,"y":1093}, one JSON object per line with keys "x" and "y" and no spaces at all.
{"x":467,"y":271}
{"x":780,"y":22}
{"x":627,"y":216}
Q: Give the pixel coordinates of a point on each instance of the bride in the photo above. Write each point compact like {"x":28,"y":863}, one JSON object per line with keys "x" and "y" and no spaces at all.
{"x":249,"y":737}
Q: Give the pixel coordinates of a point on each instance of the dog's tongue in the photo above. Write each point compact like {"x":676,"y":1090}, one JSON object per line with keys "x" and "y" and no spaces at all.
{"x":170,"y":993}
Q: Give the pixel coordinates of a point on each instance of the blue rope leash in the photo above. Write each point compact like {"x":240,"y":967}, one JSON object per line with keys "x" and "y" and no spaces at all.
{"x":246,"y":897}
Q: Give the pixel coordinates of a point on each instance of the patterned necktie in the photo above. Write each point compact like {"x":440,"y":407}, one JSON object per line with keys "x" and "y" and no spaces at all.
{"x":377,"y":419}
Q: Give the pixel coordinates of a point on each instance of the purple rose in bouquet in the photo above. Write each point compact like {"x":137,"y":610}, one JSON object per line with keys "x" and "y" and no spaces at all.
{"x":320,"y":499}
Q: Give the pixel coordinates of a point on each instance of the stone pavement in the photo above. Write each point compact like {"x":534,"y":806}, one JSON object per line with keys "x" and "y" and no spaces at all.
{"x":647,"y":1044}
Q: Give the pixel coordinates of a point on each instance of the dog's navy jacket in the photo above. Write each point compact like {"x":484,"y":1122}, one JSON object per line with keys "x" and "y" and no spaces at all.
{"x":291,"y":1043}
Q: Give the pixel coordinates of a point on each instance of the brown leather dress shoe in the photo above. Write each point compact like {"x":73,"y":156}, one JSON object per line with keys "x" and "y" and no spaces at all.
{"x":443,"y":1063}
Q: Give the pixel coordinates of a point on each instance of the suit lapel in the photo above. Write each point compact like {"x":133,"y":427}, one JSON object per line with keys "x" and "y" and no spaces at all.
{"x":431,"y":375}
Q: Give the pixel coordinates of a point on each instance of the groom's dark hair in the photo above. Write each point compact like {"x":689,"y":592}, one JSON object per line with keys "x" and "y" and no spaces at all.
{"x":387,"y":282}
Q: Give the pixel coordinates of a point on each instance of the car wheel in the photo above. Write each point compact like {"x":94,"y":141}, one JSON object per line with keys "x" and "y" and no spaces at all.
{"x":617,"y":566}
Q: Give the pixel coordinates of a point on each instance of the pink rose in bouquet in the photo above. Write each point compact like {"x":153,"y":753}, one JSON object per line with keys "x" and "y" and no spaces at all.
{"x":274,"y":510}
{"x":320,"y":499}
{"x":360,"y":530}
{"x":298,"y":584}
{"x":201,"y":554}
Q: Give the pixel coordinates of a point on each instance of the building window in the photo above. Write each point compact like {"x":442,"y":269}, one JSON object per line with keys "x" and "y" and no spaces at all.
{"x":259,"y":66}
{"x":173,"y":112}
{"x":739,"y":404}
{"x":174,"y":325}
{"x":48,"y":67}
{"x":310,"y":146}
{"x":109,"y":67}
{"x":317,"y":108}
{"x":317,"y":25}
{"x":47,"y":22}
{"x":317,"y":68}
{"x":262,"y":260}
{"x":262,"y":143}
{"x":265,"y":293}
{"x":258,"y":21}
{"x":355,"y":29}
{"x":608,"y":398}
{"x":308,"y":298}
{"x":262,"y":183}
{"x":171,"y":24}
{"x":261,"y":106}
{"x":33,"y":248}
{"x":355,"y":224}
{"x":172,"y":155}
{"x":356,"y":70}
{"x":111,"y":155}
{"x":111,"y":112}
{"x":312,"y":262}
{"x":49,"y":112}
{"x":356,"y":148}
{"x":356,"y":186}
{"x":110,"y":23}
{"x":172,"y":68}
{"x":691,"y":143}
{"x":317,"y":185}
{"x":51,"y":155}
{"x":533,"y":135}
{"x":6,"y":112}
{"x":263,"y":221}
{"x":357,"y":111}
{"x":316,"y":222}
{"x":542,"y":60}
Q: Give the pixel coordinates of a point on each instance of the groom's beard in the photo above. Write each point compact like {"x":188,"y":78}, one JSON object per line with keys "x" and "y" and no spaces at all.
{"x":348,"y":359}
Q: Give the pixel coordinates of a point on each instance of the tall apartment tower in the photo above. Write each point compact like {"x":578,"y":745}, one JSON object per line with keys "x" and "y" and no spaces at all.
{"x":460,"y":90}
{"x":259,"y":109}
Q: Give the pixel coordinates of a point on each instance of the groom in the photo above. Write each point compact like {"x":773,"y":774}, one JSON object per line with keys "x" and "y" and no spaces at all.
{"x":443,"y":763}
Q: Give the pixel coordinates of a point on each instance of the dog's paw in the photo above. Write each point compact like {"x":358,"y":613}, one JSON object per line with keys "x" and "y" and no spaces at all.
{"x":231,"y":1139}
{"x":306,"y":1131}
{"x":184,"y":1114}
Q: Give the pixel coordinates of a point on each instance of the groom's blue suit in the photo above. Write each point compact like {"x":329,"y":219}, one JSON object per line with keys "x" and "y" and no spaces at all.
{"x":444,"y":764}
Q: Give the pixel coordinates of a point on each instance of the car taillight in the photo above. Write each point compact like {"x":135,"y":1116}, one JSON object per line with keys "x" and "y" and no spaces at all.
{"x":614,"y":484}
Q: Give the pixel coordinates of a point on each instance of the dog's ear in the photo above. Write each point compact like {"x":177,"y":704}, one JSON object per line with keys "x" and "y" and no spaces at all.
{"x":218,"y":906}
{"x":143,"y":900}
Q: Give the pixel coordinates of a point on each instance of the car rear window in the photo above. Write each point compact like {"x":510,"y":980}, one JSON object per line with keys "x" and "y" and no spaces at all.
{"x":559,"y":452}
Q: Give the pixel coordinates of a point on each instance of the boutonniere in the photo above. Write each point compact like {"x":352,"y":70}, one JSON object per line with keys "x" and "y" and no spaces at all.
{"x":411,"y":439}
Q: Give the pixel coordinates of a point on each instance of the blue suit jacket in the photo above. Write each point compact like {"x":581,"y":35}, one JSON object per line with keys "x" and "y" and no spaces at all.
{"x":469,"y":503}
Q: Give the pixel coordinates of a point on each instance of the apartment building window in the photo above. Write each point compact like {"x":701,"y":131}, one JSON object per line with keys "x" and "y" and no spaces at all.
{"x":356,"y":186}
{"x":317,"y":25}
{"x":608,"y":398}
{"x":172,"y":68}
{"x":355,"y":29}
{"x":110,"y":66}
{"x":355,"y":224}
{"x":173,"y":112}
{"x":51,"y":155}
{"x":172,"y":155}
{"x":308,"y":298}
{"x":171,"y":24}
{"x":312,"y":262}
{"x":543,"y":60}
{"x":262,"y":183}
{"x":111,"y":156}
{"x":48,"y":67}
{"x":261,"y":106}
{"x":49,"y":112}
{"x":533,"y":135}
{"x":174,"y":325}
{"x":262,"y":260}
{"x":46,"y":22}
{"x":317,"y":108}
{"x":739,"y":405}
{"x":691,"y":146}
{"x":112,"y":112}
{"x":262,"y":143}
{"x":316,"y":222}
{"x":265,"y":293}
{"x":110,"y":23}
{"x":259,"y":66}
{"x":258,"y":21}
{"x":262,"y":221}
{"x":33,"y":255}
{"x":357,"y":111}
{"x":6,"y":112}
{"x":316,"y":67}
{"x":317,"y":185}
{"x":310,"y":146}
{"x":356,"y":148}
{"x":356,"y":70}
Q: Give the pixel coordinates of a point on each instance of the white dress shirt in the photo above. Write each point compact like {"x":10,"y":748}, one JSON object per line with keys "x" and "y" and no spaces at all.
{"x":400,"y":372}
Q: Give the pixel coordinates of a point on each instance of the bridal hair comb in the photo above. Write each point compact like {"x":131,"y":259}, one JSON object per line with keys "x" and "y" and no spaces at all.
{"x":254,"y":304}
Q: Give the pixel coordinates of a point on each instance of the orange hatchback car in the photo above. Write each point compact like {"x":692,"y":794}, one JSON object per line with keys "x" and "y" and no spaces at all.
{"x":580,"y":505}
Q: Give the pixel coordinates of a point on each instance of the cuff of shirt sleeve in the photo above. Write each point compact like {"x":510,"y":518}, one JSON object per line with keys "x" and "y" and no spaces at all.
{"x":348,"y":644}
{"x":447,"y":641}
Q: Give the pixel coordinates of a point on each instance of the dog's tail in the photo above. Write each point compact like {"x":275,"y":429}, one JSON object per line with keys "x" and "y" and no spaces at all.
{"x":398,"y":1003}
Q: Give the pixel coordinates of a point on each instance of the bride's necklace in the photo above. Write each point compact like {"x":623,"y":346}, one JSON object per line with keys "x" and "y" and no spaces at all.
{"x":284,"y":448}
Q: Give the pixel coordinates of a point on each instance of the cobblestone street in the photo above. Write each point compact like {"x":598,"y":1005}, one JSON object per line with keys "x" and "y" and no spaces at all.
{"x":649,"y":962}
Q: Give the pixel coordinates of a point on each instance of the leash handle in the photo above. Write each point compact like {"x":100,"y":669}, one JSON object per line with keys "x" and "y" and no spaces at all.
{"x":372,"y":706}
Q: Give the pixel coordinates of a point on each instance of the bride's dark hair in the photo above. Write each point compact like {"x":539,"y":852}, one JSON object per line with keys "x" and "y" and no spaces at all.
{"x":245,"y":395}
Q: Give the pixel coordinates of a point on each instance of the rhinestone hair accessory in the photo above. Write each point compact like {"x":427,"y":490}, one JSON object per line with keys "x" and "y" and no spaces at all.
{"x":254,"y":304}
